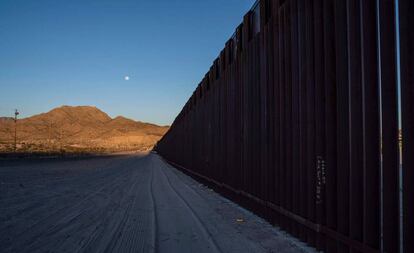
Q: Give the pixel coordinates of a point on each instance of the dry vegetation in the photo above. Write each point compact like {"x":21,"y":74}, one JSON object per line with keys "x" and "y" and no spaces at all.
{"x":78,"y":129}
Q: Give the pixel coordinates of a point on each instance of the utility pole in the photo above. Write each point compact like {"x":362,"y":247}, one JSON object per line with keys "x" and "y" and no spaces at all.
{"x":50,"y":135}
{"x":15,"y":129}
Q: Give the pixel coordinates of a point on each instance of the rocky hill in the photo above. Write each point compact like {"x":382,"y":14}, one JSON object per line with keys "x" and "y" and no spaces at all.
{"x":70,"y":128}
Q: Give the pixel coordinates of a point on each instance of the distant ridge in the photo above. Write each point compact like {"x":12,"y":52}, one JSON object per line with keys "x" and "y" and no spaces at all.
{"x":79,"y":127}
{"x":6,"y":119}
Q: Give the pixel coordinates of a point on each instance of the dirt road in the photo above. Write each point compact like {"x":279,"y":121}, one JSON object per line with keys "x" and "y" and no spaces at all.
{"x":123,"y":204}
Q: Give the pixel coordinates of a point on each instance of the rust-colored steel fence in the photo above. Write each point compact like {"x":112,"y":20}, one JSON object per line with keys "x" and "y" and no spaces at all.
{"x":308,"y":113}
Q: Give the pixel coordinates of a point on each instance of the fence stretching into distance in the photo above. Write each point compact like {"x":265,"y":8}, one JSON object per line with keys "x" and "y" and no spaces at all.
{"x":303,"y":114}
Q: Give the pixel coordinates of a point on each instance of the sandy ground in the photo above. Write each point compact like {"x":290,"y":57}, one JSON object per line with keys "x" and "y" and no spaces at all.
{"x":134,"y":203}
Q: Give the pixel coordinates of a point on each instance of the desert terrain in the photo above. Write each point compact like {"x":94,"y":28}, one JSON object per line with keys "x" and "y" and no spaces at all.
{"x":78,"y":129}
{"x":129,"y":203}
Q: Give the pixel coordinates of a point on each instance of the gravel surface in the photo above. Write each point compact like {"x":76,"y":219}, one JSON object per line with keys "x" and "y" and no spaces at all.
{"x":134,"y":203}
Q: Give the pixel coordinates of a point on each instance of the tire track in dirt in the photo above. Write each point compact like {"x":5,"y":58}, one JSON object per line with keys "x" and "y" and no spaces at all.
{"x":25,"y":205}
{"x":137,"y":232}
{"x":99,"y":202}
{"x":97,"y":234}
{"x":67,"y":213}
{"x":110,"y":242}
{"x":154,"y":237}
{"x":63,"y":181}
{"x":118,"y":233}
{"x":206,"y":233}
{"x":136,"y":204}
{"x":89,"y":222}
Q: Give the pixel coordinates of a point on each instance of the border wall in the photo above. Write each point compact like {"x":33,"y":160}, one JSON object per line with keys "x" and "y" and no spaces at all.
{"x":308,"y":113}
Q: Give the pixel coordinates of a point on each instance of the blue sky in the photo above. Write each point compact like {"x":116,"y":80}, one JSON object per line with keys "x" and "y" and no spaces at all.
{"x":58,"y":52}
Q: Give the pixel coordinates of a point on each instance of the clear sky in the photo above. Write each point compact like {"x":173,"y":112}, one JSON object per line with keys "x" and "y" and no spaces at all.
{"x":78,"y":52}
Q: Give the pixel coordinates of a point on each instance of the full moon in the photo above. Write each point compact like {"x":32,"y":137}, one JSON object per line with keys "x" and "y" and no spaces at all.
{"x":126,"y":78}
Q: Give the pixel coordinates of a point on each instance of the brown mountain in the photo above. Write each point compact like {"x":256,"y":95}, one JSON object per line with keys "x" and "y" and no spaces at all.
{"x":6,"y":119}
{"x":79,"y":127}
